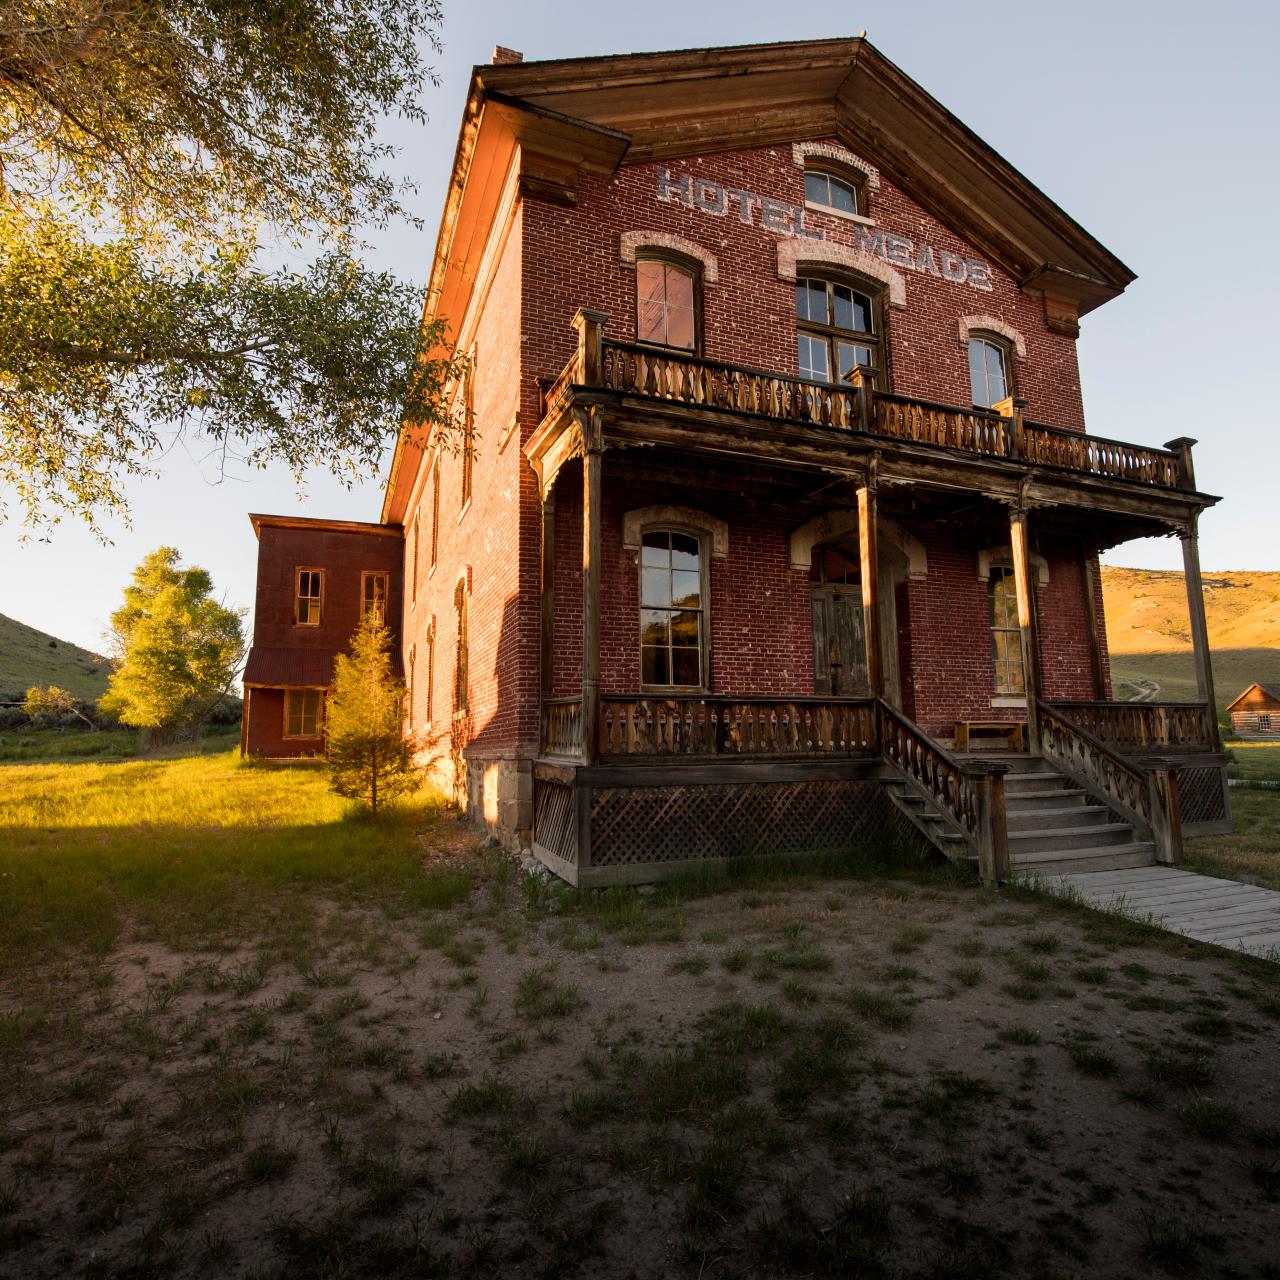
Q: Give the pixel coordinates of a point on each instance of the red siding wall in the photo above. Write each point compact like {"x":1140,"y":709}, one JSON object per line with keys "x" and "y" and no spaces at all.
{"x":264,"y":732}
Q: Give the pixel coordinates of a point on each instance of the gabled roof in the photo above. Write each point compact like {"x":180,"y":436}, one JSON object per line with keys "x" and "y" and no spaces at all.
{"x":1265,"y":688}
{"x":540,"y":122}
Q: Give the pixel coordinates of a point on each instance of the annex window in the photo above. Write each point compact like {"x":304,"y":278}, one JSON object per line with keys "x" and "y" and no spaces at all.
{"x":837,"y":327}
{"x":666,"y":304}
{"x":431,"y":670}
{"x":673,"y":614}
{"x":302,"y":713}
{"x":461,"y":655}
{"x":468,"y":438}
{"x":309,"y":595}
{"x":373,"y":596}
{"x":831,"y":194}
{"x":412,"y":690}
{"x":1006,"y":635}
{"x":1264,"y":721}
{"x":989,"y":366}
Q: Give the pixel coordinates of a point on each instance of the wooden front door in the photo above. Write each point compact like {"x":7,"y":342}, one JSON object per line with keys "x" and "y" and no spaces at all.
{"x":839,"y":647}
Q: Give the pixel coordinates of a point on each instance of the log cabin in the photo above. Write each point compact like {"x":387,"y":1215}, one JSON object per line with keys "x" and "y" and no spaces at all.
{"x":779,"y":525}
{"x":1256,"y":713}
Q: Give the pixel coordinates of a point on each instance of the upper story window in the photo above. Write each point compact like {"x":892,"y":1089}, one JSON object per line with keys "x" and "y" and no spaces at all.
{"x":373,"y":596}
{"x":989,"y":367}
{"x":666,"y":304}
{"x":468,"y":441}
{"x":308,"y":597}
{"x":838,"y":327}
{"x":831,"y":194}
{"x":673,"y":613}
{"x":1006,"y":634}
{"x":435,"y":508}
{"x":461,"y":651}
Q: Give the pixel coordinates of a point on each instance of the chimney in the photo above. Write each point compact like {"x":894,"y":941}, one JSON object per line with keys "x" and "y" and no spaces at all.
{"x":504,"y":57}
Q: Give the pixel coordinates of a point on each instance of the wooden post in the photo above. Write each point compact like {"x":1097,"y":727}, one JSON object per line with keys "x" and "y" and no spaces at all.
{"x":1026,"y":622}
{"x":869,"y":552}
{"x":1182,"y":447}
{"x":993,"y":822}
{"x":590,"y":326}
{"x":1166,"y":820}
{"x":860,"y":378}
{"x":1199,"y":627}
{"x":1093,"y":624}
{"x":592,"y":464}
{"x":546,"y":650}
{"x":1011,"y":408}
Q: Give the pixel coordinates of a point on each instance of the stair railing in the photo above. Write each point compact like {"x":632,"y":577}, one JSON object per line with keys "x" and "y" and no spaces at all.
{"x":969,"y":797}
{"x":1147,"y":796}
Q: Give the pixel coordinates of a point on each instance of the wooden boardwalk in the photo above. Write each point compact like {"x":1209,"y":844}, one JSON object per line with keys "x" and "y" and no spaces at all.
{"x":1227,"y":913}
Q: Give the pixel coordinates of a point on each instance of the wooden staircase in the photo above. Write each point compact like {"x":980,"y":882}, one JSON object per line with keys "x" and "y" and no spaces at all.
{"x":1054,"y":826}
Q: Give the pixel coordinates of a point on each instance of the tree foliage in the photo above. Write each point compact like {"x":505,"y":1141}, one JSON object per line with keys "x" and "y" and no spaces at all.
{"x":149,"y":151}
{"x":177,"y":649}
{"x":369,"y":757}
{"x":45,"y":704}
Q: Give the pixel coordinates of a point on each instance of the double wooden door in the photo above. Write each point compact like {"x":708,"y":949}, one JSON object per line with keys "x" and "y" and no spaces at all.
{"x":839,"y":643}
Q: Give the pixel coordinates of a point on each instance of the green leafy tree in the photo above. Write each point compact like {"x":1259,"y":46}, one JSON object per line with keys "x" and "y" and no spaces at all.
{"x":369,"y":757}
{"x":178,"y":650}
{"x":150,"y":152}
{"x":45,"y":704}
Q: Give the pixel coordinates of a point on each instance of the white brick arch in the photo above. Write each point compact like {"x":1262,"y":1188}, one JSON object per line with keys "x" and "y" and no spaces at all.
{"x":795,"y":254}
{"x":968,"y":325}
{"x":636,"y":241}
{"x":801,"y":152}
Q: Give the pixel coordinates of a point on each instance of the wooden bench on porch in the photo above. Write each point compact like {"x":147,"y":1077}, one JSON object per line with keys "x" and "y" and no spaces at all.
{"x":1010,"y":730}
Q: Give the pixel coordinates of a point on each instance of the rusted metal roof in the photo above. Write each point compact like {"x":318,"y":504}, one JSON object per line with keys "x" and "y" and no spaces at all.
{"x":290,"y":668}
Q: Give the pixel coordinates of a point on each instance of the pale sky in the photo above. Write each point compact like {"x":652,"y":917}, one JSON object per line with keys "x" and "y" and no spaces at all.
{"x":1153,"y":124}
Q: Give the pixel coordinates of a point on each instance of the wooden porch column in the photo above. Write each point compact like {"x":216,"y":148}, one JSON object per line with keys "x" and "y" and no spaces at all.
{"x":1199,"y":627}
{"x":869,"y":553}
{"x":592,"y":465}
{"x":547,"y":596}
{"x":1093,"y":624}
{"x":1026,"y":621}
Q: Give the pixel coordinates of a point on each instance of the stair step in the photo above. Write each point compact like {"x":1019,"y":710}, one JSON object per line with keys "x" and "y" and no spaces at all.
{"x":1107,"y":858}
{"x":1082,"y":815}
{"x":1062,"y":839}
{"x":1038,"y":781}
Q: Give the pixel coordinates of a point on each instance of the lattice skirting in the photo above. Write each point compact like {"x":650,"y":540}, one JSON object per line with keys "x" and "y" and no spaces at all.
{"x":636,"y":826}
{"x":555,"y":819}
{"x":1202,"y":796}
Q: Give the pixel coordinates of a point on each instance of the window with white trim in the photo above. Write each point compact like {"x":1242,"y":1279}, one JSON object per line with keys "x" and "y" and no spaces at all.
{"x":673,"y":610}
{"x":309,"y":595}
{"x":830,"y":194}
{"x":989,"y":370}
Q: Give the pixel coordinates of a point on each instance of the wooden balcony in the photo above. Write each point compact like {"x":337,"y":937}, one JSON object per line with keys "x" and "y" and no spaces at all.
{"x":1145,"y":727}
{"x":669,"y":378}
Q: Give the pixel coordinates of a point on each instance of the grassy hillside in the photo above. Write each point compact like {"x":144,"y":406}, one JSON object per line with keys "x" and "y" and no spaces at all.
{"x":28,"y":657}
{"x":1150,"y":640}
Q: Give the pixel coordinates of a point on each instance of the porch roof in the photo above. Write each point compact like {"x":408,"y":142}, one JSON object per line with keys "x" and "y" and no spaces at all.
{"x":283,"y":668}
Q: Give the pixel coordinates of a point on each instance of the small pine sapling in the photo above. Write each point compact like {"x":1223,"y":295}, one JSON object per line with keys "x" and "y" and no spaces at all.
{"x":370,"y":758}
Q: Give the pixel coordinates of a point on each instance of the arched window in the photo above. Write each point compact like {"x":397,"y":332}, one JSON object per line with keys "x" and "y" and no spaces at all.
{"x":1006,"y":634}
{"x":831,"y":194}
{"x":667,"y":303}
{"x":673,"y":610}
{"x":461,"y":655}
{"x":837,"y":327}
{"x":989,"y":370}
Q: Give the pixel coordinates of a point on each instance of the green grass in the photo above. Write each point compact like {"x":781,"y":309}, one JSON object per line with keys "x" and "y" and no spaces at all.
{"x":28,"y":657}
{"x":34,"y":746}
{"x":1259,"y":761}
{"x":190,"y":848}
{"x":1252,"y":851}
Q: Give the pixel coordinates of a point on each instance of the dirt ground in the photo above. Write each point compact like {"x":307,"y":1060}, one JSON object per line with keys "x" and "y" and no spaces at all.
{"x":873,"y":1077}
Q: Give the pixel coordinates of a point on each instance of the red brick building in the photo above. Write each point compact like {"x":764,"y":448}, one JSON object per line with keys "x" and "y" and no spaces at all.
{"x":780,"y":484}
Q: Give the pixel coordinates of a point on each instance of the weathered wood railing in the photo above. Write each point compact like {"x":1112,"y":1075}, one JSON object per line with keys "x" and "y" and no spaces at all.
{"x":1096,"y":456}
{"x":921,"y":422}
{"x":1143,"y":726}
{"x":562,"y":727}
{"x":637,"y":370}
{"x":639,"y":726}
{"x":666,"y":375}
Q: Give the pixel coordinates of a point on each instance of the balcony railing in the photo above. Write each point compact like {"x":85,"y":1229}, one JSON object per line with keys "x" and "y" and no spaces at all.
{"x":1144,"y":726}
{"x":674,"y":377}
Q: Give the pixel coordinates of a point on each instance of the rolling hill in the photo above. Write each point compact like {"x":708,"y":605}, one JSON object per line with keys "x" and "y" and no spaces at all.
{"x":1150,"y":641}
{"x":28,"y":657}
